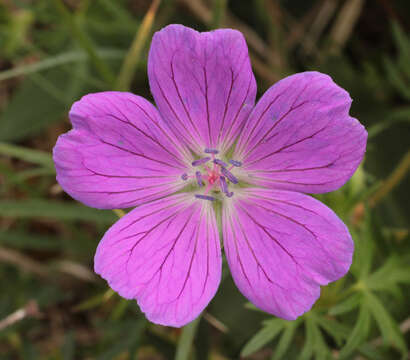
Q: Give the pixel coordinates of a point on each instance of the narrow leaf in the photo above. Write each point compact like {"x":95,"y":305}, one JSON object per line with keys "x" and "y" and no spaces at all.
{"x":388,"y":327}
{"x":262,"y":337}
{"x":285,"y":340}
{"x":186,"y":340}
{"x":359,"y":333}
{"x":32,"y":156}
{"x":54,"y":210}
{"x":347,"y":305}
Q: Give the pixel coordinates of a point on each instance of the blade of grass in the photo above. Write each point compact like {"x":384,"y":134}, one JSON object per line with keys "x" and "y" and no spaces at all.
{"x":395,"y":177}
{"x":58,"y":60}
{"x":186,"y":340}
{"x":85,"y":42}
{"x":129,"y":66}
{"x":39,"y":208}
{"x":342,"y":29}
{"x":218,"y":13}
{"x":32,"y":156}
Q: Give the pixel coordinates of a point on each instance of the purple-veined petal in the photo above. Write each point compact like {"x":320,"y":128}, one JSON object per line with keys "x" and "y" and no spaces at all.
{"x":300,"y":136}
{"x":167,"y":256}
{"x":119,"y":153}
{"x":202,"y":84}
{"x":281,"y":246}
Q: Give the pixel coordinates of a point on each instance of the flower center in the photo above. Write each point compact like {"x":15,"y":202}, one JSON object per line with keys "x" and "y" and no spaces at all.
{"x":216,"y":176}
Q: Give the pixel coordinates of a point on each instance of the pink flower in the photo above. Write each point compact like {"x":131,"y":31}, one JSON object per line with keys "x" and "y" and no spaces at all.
{"x":207,"y":146}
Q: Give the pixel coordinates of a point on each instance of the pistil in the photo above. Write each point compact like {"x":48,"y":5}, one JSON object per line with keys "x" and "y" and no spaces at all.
{"x":219,"y":174}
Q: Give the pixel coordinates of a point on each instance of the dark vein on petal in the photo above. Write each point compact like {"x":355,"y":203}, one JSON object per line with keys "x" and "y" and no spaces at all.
{"x":226,"y":105}
{"x":207,"y":106}
{"x":123,"y":191}
{"x":263,"y":228}
{"x":151,"y":197}
{"x":307,"y":229}
{"x":146,"y":135}
{"x":180,"y":98}
{"x":231,"y":125}
{"x":177,"y":146}
{"x":192,"y":255}
{"x":175,"y":115}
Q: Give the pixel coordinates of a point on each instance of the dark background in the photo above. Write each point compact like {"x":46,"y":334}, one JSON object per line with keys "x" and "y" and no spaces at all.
{"x":52,"y":52}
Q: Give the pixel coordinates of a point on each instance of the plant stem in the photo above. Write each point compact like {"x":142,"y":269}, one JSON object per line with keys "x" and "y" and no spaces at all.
{"x":394,"y":179}
{"x":218,"y":13}
{"x":85,"y":42}
{"x":187,"y":338}
{"x":130,"y":63}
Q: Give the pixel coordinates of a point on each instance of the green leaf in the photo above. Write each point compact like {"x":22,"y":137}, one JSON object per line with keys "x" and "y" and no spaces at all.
{"x":320,"y":349}
{"x":364,"y":249}
{"x":396,"y":116}
{"x":399,"y":72}
{"x":347,"y":305}
{"x":392,"y":273}
{"x":32,"y":156}
{"x":68,"y":347}
{"x":388,"y":327}
{"x":359,"y":333}
{"x":334,"y":328}
{"x":28,"y":240}
{"x":186,"y":340}
{"x":270,"y":330}
{"x":372,"y":352}
{"x":403,"y":45}
{"x":59,"y":60}
{"x":84,"y":41}
{"x":307,"y":350}
{"x":285,"y":339}
{"x":54,"y":210}
{"x":32,"y":109}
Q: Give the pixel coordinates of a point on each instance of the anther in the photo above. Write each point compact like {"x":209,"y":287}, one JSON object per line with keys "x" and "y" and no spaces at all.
{"x":184,"y":176}
{"x":205,"y":197}
{"x":220,"y":162}
{"x":211,"y":151}
{"x":224,"y":185}
{"x":200,"y":161}
{"x":199,"y":178}
{"x":229,"y":175}
{"x":235,"y":163}
{"x":229,"y":194}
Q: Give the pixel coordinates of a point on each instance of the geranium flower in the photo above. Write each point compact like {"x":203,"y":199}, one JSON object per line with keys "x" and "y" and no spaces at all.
{"x":208,"y":161}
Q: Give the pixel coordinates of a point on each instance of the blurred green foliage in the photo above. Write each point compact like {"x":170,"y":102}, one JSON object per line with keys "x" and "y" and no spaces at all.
{"x":53,"y":52}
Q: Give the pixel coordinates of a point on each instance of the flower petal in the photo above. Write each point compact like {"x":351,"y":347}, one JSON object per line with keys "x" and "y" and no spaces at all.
{"x":281,"y":246}
{"x":300,"y":136}
{"x":119,"y":153}
{"x":167,"y":256}
{"x":202,"y":84}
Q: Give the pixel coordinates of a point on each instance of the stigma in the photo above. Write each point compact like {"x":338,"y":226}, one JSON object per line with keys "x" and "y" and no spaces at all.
{"x":213,"y":177}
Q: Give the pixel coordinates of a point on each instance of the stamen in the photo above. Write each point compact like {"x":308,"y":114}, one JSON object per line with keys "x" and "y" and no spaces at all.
{"x":220,"y":162}
{"x":211,"y":151}
{"x":205,"y":197}
{"x":230,"y":194}
{"x":184,"y":176}
{"x":224,"y":185}
{"x":200,"y":161}
{"x":229,"y":175}
{"x":235,"y":163}
{"x":199,"y":178}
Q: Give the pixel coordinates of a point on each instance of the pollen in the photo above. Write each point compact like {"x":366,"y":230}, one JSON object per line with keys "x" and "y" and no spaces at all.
{"x":215,"y":177}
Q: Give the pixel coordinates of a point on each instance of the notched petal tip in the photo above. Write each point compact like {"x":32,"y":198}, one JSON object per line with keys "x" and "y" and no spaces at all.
{"x":167,"y":256}
{"x":312,"y":145}
{"x":201,"y":83}
{"x":281,"y":247}
{"x":118,"y":153}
